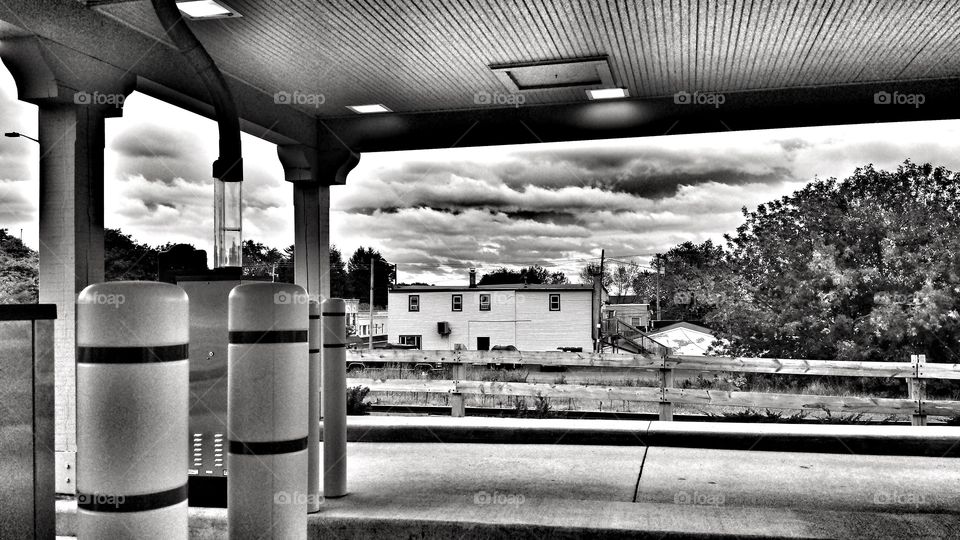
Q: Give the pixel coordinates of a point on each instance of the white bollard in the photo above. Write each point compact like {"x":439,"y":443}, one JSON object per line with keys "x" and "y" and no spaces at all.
{"x":267,"y":384}
{"x":334,"y":398}
{"x":133,"y":382}
{"x":313,"y":434}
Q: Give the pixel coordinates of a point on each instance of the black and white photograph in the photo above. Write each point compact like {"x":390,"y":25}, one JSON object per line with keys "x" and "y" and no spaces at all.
{"x":479,"y":269}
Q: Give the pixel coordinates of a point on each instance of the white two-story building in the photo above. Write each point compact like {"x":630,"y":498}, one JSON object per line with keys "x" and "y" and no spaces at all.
{"x":528,"y":317}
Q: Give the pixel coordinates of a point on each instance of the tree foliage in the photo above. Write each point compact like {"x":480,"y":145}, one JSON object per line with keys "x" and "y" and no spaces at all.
{"x":593,"y":269}
{"x":531,"y":275}
{"x":867,"y":268}
{"x":262,"y":261}
{"x":126,"y":259}
{"x":358,"y":276}
{"x":18,"y":271}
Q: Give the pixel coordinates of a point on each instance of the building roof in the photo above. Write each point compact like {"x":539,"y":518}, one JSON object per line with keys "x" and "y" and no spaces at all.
{"x":625,"y":299}
{"x":505,"y":287}
{"x":461,"y":71}
{"x":685,"y":325}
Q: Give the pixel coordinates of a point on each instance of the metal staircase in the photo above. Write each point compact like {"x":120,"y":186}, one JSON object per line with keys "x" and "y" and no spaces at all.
{"x":619,"y":336}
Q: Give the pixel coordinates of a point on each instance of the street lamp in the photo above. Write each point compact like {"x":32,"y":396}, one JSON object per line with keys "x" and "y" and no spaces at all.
{"x":14,"y":134}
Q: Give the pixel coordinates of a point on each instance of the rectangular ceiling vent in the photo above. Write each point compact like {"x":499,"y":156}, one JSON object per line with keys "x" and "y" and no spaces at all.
{"x":593,"y":72}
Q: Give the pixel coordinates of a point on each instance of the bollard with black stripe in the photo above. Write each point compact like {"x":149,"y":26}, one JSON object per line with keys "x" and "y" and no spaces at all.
{"x":267,"y":383}
{"x":313,"y":433}
{"x":333,"y":317}
{"x":133,"y":382}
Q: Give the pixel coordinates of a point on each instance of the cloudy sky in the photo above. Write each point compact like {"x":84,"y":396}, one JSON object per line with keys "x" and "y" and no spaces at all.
{"x":436,"y":213}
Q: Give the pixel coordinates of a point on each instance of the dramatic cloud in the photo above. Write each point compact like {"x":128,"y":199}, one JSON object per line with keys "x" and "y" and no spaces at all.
{"x":437,"y":213}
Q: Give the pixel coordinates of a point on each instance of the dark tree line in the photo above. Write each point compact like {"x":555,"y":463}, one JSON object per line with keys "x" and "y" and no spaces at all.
{"x":127,"y":259}
{"x":531,"y":275}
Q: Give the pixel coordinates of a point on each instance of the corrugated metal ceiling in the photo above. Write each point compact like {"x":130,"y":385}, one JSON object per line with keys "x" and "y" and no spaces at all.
{"x":421,"y":55}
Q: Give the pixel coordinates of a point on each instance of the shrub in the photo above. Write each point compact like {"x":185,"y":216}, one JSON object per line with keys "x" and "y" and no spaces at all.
{"x":355,"y":404}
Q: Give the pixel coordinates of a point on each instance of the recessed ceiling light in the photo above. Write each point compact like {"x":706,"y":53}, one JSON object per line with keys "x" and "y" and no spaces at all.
{"x":206,"y":9}
{"x":367,"y":109}
{"x":607,"y":93}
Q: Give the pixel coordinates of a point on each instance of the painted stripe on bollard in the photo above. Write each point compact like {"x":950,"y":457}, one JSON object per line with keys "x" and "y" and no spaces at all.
{"x":95,"y":502}
{"x":132,"y":355}
{"x":268,"y":336}
{"x":268,"y":448}
{"x":267,"y":401}
{"x":133,"y":384}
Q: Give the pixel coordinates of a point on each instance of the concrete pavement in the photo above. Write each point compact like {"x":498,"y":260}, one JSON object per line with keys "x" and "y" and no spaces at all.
{"x":562,"y":491}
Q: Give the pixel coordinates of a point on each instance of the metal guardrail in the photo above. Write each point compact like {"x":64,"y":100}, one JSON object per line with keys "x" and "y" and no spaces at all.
{"x":915,"y":372}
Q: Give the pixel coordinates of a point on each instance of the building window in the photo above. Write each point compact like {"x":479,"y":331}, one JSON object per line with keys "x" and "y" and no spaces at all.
{"x":554,"y":302}
{"x":635,"y":321}
{"x":410,"y":340}
{"x":484,"y":302}
{"x":456,"y":302}
{"x":363,"y":330}
{"x":413,"y":302}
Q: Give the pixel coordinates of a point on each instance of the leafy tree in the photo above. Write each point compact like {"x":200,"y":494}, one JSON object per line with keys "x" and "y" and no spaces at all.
{"x":622,"y":277}
{"x":260,"y":260}
{"x":19,"y":267}
{"x":592,"y":269}
{"x":126,"y":259}
{"x":687,"y":281}
{"x":867,"y":268}
{"x":338,"y":272}
{"x":531,"y":275}
{"x":358,"y":276}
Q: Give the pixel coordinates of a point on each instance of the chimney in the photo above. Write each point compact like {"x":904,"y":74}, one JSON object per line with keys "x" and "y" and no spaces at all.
{"x":473,"y":278}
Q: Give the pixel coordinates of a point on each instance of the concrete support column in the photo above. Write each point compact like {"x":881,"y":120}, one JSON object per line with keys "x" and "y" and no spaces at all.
{"x":71,"y":243}
{"x":312,"y":172}
{"x":311,"y":210}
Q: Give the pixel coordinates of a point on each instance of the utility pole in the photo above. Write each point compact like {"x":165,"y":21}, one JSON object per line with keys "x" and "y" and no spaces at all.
{"x":597,"y":346}
{"x":602,"y":253}
{"x":370,"y":325}
{"x":657,"y":266}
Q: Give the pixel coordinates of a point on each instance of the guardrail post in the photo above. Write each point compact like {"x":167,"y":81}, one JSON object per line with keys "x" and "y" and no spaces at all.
{"x":457,"y":407}
{"x":917,"y":387}
{"x":133,"y":384}
{"x":334,"y":398}
{"x":313,"y":411}
{"x":268,"y":367}
{"x":666,"y":381}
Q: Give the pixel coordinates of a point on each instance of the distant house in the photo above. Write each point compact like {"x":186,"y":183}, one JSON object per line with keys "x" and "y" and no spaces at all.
{"x":359,"y":326}
{"x":528,"y":317}
{"x":636,"y":315}
{"x":378,"y":328}
{"x":684,"y":338}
